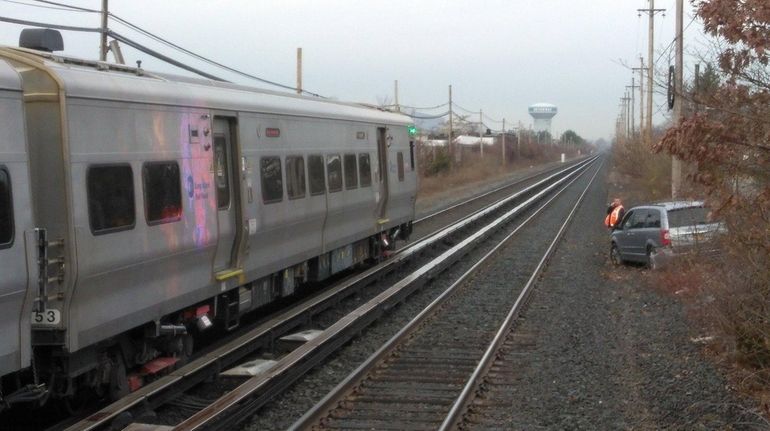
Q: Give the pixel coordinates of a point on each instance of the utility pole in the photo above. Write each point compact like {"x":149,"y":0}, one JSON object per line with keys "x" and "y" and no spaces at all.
{"x":651,"y":11}
{"x":518,"y":143}
{"x":103,"y":43}
{"x":299,"y":70}
{"x":676,"y":164}
{"x":452,"y":156}
{"x":481,"y":133}
{"x":503,"y":142}
{"x":398,"y":107}
{"x":633,"y":102}
{"x":641,"y":95}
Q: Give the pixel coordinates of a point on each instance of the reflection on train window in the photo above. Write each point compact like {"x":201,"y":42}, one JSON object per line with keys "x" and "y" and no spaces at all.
{"x":272,"y":181}
{"x":365,"y":170}
{"x":334,"y":172}
{"x":315,"y":169}
{"x":221,"y":177}
{"x":400,"y":157}
{"x":295,"y":177}
{"x":351,"y":176}
{"x":110,"y":198}
{"x":162,"y":192}
{"x":6,"y":210}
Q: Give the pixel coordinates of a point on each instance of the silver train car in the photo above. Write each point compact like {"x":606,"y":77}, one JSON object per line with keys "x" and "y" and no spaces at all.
{"x":156,"y":206}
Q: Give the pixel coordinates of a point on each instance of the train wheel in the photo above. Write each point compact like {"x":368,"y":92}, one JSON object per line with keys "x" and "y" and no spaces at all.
{"x":118,"y":378}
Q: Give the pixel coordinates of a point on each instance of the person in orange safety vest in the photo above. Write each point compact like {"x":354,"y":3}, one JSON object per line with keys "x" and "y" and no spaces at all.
{"x":615,"y":214}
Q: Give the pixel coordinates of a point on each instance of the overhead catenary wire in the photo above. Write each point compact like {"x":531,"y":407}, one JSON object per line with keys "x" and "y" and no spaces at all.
{"x":205,"y":59}
{"x":66,"y":9}
{"x":68,"y":6}
{"x":55,"y":26}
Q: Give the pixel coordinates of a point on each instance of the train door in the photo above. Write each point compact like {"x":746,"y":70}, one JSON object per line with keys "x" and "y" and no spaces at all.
{"x":382,"y":177}
{"x":228,"y":196}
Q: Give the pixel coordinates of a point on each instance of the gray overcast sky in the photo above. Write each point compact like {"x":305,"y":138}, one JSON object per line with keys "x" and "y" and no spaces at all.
{"x":499,"y":55}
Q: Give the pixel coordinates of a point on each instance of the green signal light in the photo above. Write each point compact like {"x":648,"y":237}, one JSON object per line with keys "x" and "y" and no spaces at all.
{"x":412,"y":130}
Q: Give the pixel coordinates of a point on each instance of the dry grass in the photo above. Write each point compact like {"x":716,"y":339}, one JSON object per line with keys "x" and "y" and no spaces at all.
{"x":475,"y":170}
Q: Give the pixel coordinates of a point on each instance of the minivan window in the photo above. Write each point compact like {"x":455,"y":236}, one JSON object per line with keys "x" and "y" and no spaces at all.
{"x":687,"y":217}
{"x":653,"y":219}
{"x":637,"y":220}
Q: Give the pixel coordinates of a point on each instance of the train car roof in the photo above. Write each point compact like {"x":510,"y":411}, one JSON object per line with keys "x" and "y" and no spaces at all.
{"x":9,"y":79}
{"x":97,"y":80}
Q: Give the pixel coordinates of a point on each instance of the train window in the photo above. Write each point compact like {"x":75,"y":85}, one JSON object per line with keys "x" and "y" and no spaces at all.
{"x":315,"y":169}
{"x":334,"y":172}
{"x":162,"y":192}
{"x":365,"y":170}
{"x":6,"y":210}
{"x":295,"y":177}
{"x":111,"y":206}
{"x":221,"y":177}
{"x":272,"y":180}
{"x":351,"y":174}
{"x":400,"y":157}
{"x":411,"y":154}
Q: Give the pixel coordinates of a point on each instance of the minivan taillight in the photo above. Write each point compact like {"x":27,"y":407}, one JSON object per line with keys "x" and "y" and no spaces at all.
{"x":665,"y":238}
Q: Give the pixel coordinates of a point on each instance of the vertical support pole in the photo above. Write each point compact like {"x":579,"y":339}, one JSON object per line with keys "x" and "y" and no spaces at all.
{"x":641,"y":97}
{"x":503,"y":143}
{"x":676,"y":164}
{"x":450,"y":143}
{"x":299,"y":70}
{"x":395,"y":92}
{"x":103,"y":38}
{"x":481,"y":133}
{"x":650,"y":64}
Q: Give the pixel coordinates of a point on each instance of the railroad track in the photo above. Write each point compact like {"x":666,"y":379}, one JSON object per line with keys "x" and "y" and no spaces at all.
{"x":262,"y":337}
{"x":428,"y":373}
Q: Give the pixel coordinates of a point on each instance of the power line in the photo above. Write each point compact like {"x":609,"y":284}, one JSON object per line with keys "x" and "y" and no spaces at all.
{"x":428,"y":117}
{"x":42,"y":6}
{"x":426,"y":108}
{"x":68,"y":6}
{"x":204,"y":59}
{"x":56,"y":26}
{"x":463,"y":109}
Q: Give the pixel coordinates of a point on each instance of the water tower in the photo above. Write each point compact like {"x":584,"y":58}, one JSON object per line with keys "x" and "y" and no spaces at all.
{"x":542,"y":113}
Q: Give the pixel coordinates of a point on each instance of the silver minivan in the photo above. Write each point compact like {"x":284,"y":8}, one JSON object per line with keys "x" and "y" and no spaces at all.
{"x":654,"y":234}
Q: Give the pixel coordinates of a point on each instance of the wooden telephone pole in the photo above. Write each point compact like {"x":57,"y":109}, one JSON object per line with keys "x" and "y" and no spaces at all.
{"x":676,"y":164}
{"x":651,"y":11}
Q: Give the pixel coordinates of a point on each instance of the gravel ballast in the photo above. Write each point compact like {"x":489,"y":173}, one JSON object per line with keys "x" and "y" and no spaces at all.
{"x":600,"y":349}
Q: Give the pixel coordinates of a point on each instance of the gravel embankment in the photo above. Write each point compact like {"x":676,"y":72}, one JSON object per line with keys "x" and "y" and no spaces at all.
{"x":284,"y":410}
{"x":598,"y":349}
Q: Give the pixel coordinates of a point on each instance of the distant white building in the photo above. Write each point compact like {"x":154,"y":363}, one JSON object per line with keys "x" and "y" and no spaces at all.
{"x":543,"y":113}
{"x":462,"y":140}
{"x":473,"y":141}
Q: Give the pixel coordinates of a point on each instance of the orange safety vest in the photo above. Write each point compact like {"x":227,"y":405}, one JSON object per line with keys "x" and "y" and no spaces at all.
{"x":612,"y":218}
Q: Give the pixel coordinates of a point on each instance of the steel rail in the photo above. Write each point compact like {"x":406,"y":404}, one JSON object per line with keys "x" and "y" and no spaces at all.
{"x":461,"y":403}
{"x":329,"y":402}
{"x":300,"y":360}
{"x":196,"y":371}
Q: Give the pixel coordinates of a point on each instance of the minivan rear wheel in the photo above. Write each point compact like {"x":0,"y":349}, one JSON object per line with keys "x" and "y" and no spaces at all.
{"x":615,"y":255}
{"x":651,"y":264}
